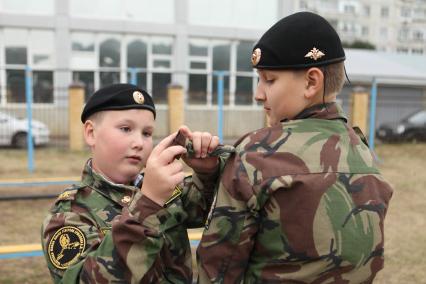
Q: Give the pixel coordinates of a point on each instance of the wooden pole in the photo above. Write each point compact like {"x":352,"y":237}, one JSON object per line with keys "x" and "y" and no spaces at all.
{"x":359,"y":109}
{"x":176,"y":107}
{"x":75,"y":107}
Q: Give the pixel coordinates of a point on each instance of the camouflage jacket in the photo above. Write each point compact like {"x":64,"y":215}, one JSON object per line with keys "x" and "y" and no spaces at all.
{"x":301,"y":202}
{"x":100,"y":232}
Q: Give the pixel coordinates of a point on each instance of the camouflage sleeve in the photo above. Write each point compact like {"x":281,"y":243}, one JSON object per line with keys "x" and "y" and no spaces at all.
{"x":197,"y":197}
{"x":228,"y":238}
{"x":78,"y":251}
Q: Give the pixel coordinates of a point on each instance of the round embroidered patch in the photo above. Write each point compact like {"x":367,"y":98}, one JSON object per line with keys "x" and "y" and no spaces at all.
{"x":66,"y":245}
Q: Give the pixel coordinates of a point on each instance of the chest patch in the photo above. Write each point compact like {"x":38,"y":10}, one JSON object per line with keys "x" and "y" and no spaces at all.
{"x":66,"y":245}
{"x":176,"y":193}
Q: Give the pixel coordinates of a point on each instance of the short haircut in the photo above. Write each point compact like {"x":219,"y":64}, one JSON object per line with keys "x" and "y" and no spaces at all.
{"x":334,"y":77}
{"x":97,"y":116}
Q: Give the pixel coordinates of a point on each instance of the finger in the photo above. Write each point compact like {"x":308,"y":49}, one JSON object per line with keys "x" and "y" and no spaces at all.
{"x":163,"y":144}
{"x":213,"y":144}
{"x":196,"y":143}
{"x":205,"y":141}
{"x":178,"y":178}
{"x":186,"y":131}
{"x":169,"y":154}
{"x":175,"y":167}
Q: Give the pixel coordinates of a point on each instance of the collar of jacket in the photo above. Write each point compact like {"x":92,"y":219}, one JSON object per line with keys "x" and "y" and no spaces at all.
{"x":115,"y":192}
{"x":330,"y":111}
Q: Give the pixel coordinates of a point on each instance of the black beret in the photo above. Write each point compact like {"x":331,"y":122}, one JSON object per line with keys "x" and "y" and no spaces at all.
{"x":298,"y":41}
{"x":118,"y":97}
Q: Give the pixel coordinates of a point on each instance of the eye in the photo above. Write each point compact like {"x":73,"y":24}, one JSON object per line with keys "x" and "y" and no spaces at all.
{"x":269,"y":80}
{"x":147,"y":133}
{"x":125,"y":129}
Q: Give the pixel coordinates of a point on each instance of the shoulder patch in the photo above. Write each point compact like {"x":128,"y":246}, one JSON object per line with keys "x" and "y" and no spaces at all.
{"x":66,"y":245}
{"x":69,"y":194}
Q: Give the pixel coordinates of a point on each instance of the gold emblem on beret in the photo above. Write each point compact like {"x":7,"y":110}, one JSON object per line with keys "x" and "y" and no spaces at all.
{"x":255,"y":57}
{"x":66,"y":245}
{"x":314,"y":54}
{"x":138,"y":97}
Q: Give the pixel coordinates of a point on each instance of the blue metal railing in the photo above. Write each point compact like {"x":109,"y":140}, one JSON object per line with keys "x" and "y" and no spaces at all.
{"x":29,"y":99}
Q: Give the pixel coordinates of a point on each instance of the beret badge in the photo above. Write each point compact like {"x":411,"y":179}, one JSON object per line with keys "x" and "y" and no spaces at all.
{"x":314,"y":54}
{"x":138,"y":97}
{"x":255,"y":57}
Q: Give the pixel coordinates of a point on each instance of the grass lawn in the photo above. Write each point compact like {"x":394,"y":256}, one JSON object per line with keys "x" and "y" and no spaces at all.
{"x":403,"y":165}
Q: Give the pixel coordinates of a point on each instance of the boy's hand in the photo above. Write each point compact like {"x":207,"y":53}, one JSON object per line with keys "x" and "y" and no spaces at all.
{"x":162,"y":171}
{"x":203,"y":143}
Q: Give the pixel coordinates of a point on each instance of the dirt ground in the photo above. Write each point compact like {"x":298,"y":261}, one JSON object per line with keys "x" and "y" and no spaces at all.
{"x":403,"y":165}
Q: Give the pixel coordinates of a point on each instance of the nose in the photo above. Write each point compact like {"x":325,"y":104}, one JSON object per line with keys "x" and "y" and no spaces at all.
{"x":137,"y":141}
{"x":260,"y":93}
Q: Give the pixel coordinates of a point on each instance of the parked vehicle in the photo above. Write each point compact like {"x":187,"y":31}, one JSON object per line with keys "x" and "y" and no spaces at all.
{"x":410,"y":128}
{"x":13,"y":131}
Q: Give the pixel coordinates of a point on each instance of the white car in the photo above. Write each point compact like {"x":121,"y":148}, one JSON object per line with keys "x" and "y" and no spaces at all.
{"x":13,"y":131}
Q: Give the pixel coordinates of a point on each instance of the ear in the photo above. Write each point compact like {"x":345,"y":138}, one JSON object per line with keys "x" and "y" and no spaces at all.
{"x":89,"y":132}
{"x":314,"y":82}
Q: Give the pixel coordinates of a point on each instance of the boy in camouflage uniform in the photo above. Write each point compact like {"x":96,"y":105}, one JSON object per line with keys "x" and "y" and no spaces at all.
{"x":300,"y":201}
{"x":118,"y":226}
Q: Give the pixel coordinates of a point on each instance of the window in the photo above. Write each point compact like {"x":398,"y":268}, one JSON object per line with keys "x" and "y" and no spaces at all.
{"x":244,"y":91}
{"x":418,"y":35}
{"x":303,"y":5}
{"x":140,"y":78}
{"x":199,"y":68}
{"x":402,"y":50}
{"x":83,"y":51}
{"x":109,"y":78}
{"x":28,"y":48}
{"x":16,"y":55}
{"x":365,"y":31}
{"x":417,"y":51}
{"x":244,"y":78}
{"x":403,"y":34}
{"x":137,"y":57}
{"x":82,"y":42}
{"x":109,"y":60}
{"x":209,"y":59}
{"x":15,"y":86}
{"x":137,"y":54}
{"x":88,"y":79}
{"x":405,"y":12}
{"x":366,"y":10}
{"x":244,"y":50}
{"x":221,"y":62}
{"x":101,"y":60}
{"x":109,"y":53}
{"x":42,"y":48}
{"x":384,"y":32}
{"x":349,"y":9}
{"x":384,"y":12}
{"x":43,"y":86}
{"x":161,"y":62}
{"x":160,"y":81}
{"x":197,"y":89}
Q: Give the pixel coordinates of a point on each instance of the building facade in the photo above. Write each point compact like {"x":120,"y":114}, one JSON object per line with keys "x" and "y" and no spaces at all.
{"x":155,"y":43}
{"x":390,"y":25}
